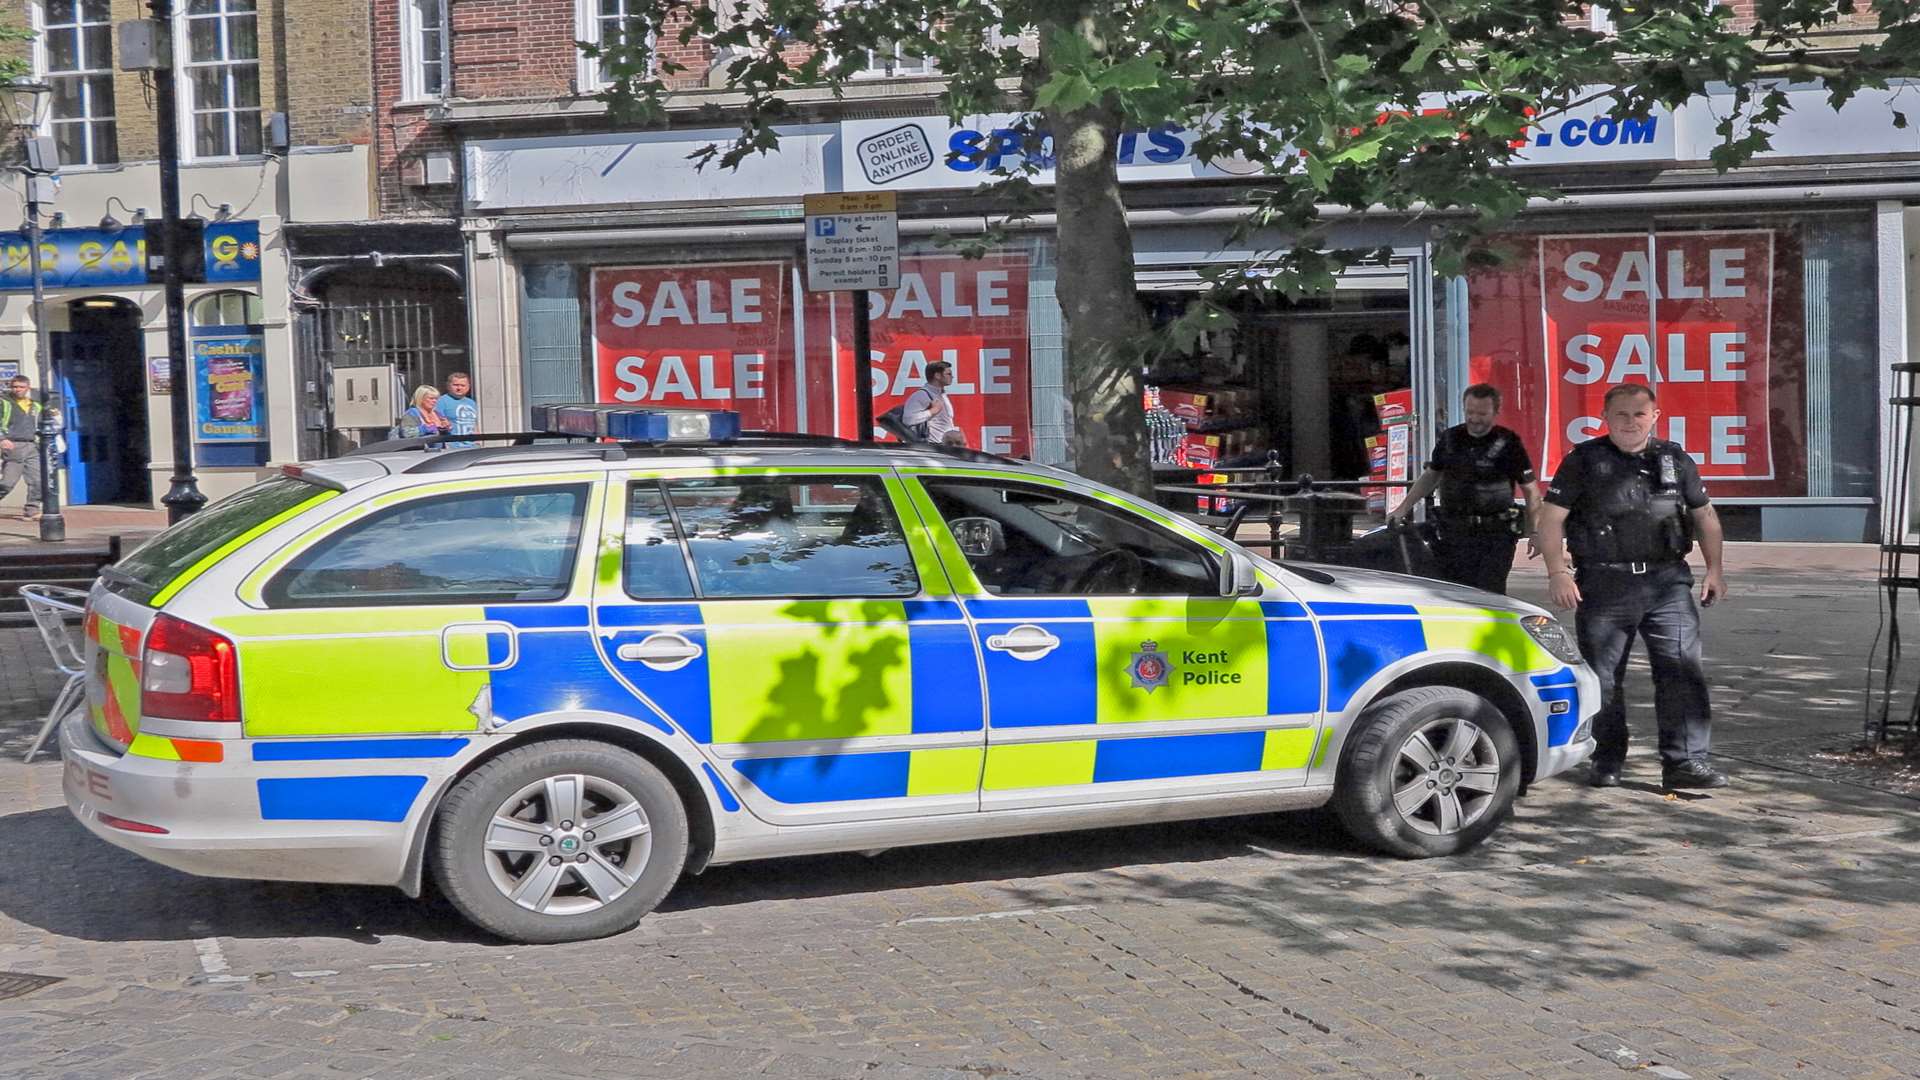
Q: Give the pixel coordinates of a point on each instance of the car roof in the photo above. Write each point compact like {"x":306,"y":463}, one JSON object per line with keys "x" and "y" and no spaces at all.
{"x":533,"y":453}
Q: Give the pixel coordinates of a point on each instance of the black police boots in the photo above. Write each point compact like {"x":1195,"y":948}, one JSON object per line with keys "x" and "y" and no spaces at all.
{"x":1694,"y":774}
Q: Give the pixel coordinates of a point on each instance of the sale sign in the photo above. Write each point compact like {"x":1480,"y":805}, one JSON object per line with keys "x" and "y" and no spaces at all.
{"x":970,"y":313}
{"x":709,"y":336}
{"x":1686,"y":313}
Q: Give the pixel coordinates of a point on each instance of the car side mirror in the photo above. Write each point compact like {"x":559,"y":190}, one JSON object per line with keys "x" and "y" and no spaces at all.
{"x":978,"y":537}
{"x":1237,"y":576}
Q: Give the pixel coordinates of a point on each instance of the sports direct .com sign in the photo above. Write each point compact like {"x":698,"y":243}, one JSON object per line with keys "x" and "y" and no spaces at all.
{"x":1687,"y":313}
{"x":743,"y":336}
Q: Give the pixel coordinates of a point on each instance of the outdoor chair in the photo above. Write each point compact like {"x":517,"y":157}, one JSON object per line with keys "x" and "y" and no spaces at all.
{"x":52,"y":606}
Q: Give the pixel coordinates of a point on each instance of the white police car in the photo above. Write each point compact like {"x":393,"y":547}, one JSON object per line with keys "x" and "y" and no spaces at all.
{"x":558,"y":675}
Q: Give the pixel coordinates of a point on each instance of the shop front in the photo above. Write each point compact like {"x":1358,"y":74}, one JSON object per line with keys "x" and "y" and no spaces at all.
{"x":1765,"y":311}
{"x":106,"y":328}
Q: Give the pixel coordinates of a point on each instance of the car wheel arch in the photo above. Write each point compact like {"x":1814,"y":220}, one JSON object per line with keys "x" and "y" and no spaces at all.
{"x":1487,"y":683}
{"x":699,"y":807}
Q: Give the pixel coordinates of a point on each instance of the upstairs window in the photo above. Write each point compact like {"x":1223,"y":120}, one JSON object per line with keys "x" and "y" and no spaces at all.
{"x":605,"y":23}
{"x":424,"y":43}
{"x":221,"y":69}
{"x":76,"y":58}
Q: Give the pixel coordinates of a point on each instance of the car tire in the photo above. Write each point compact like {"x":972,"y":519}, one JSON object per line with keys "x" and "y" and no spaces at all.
{"x":1400,"y":790}
{"x":540,"y":844}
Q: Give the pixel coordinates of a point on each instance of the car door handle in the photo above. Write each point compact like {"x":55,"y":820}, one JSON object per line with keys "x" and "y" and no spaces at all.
{"x":661,"y":652}
{"x":1024,"y":642}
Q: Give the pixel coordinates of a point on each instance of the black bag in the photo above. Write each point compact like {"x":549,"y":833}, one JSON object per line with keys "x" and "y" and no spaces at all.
{"x":894,"y":421}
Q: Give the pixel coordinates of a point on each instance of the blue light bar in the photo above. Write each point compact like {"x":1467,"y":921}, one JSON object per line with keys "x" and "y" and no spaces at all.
{"x":638,"y":425}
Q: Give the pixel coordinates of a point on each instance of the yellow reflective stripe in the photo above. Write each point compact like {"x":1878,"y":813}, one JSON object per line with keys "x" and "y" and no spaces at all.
{"x":1320,"y":751}
{"x":1038,"y":765}
{"x":153,"y":746}
{"x":923,"y":538}
{"x":809,"y":612}
{"x":187,"y":576}
{"x":1288,"y":749}
{"x":1505,"y":643}
{"x":366,"y":686}
{"x":315,"y":622}
{"x":1214,"y":651}
{"x":944,"y":772}
{"x":782,"y":670}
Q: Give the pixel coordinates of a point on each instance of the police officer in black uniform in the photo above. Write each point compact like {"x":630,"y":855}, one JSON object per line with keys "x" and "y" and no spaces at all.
{"x":1476,"y":467}
{"x":1631,"y":506}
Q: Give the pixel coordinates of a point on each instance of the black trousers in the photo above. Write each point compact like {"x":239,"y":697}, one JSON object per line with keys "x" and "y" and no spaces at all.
{"x":1615,"y":606}
{"x":1476,"y":555}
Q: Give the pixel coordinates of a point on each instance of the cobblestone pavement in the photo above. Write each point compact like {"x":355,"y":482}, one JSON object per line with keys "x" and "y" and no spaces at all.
{"x":1769,"y":930}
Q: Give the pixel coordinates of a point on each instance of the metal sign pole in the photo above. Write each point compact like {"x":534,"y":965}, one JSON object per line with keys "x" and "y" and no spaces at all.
{"x":862,"y":367}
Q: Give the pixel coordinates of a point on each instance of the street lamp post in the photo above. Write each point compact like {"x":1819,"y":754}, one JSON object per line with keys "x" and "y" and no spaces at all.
{"x":183,"y":497}
{"x":30,"y":103}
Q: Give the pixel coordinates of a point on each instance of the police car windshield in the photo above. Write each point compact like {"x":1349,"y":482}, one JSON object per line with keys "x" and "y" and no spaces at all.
{"x":154,"y":564}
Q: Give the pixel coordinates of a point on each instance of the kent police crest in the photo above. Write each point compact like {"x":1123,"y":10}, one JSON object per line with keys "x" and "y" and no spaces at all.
{"x":1149,"y":667}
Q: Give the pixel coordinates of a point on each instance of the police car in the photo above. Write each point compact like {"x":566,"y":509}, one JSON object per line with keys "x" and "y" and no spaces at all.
{"x":556,"y":675}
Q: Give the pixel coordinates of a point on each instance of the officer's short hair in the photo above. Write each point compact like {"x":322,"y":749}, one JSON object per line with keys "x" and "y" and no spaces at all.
{"x":1628,"y":390}
{"x":1483,"y":390}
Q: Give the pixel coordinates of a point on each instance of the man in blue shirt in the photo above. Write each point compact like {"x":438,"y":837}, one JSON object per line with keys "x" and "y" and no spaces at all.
{"x":457,"y":406}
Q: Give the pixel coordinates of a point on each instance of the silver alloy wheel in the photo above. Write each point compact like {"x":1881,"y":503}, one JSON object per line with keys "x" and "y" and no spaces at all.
{"x":568,"y":844}
{"x":1445,"y":776}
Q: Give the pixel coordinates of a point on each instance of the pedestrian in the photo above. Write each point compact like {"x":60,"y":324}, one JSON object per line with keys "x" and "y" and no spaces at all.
{"x":20,"y":443}
{"x":1476,"y":466}
{"x":927,"y":413}
{"x":1630,"y":507}
{"x":422,"y":418}
{"x":457,"y":408}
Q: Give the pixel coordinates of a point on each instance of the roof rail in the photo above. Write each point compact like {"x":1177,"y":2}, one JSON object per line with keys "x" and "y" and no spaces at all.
{"x":539,"y":445}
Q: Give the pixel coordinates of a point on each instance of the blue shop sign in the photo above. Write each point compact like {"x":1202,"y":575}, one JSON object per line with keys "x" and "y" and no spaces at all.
{"x":101,"y":258}
{"x":229,"y":384}
{"x":233,"y":251}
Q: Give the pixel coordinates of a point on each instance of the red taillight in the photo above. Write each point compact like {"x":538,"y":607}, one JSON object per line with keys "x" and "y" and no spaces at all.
{"x":188,"y":672}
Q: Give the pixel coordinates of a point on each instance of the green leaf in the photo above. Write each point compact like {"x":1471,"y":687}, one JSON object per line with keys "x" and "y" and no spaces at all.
{"x":1067,"y":91}
{"x":1139,"y":73}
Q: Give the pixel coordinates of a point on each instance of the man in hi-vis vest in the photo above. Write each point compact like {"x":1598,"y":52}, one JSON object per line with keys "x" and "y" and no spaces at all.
{"x":20,"y":442}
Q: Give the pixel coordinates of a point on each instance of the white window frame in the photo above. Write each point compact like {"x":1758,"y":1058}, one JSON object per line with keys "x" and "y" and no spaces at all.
{"x":881,"y":66}
{"x":413,"y":55}
{"x":183,"y":68}
{"x":42,"y":67}
{"x":586,"y":27}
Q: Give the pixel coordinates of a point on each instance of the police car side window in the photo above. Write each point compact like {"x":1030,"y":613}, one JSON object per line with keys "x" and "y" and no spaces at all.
{"x":496,"y":547}
{"x":1034,"y":541}
{"x":655,"y":564}
{"x":787,"y":536}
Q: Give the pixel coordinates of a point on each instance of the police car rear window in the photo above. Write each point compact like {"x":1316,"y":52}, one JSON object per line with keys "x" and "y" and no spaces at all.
{"x":155,"y":564}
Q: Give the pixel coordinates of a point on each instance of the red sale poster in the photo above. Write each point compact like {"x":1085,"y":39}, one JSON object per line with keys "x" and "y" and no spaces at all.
{"x":1686,"y":313}
{"x":971,"y":313}
{"x":710,"y":336}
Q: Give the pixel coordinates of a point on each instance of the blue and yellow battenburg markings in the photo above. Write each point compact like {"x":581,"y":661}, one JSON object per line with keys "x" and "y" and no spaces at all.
{"x":1559,"y":686}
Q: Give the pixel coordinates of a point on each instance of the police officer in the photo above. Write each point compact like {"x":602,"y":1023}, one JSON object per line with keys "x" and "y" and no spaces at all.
{"x":1630,"y":507}
{"x":1476,"y":467}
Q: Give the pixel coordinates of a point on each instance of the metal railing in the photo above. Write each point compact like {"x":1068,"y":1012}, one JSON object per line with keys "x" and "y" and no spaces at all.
{"x":1323,"y":524}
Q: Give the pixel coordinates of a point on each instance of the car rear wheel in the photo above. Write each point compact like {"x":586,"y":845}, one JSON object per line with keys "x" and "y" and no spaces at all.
{"x":1429,"y":771}
{"x":560,"y":841}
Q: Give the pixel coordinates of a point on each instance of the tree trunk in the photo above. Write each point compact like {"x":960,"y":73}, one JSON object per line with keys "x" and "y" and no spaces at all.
{"x":1106,"y":331}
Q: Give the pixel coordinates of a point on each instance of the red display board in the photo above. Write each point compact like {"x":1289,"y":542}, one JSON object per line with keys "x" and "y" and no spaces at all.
{"x":1700,"y":316}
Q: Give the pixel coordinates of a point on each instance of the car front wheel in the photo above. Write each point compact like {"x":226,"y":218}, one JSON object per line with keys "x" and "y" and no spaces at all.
{"x":560,"y":841}
{"x":1429,"y":771}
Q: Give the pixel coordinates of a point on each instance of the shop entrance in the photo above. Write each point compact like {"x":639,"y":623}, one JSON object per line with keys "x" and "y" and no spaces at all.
{"x":103,"y":380}
{"x":1297,"y":382}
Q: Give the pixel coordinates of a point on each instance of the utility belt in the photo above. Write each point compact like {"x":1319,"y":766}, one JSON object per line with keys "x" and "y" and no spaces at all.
{"x":1507,"y":520}
{"x":1654,"y":566}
